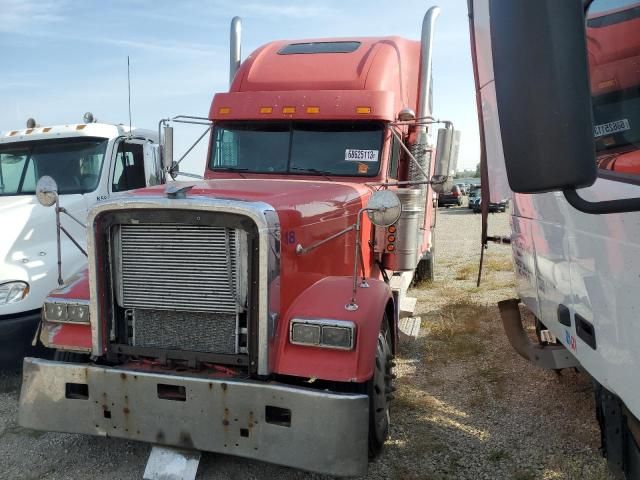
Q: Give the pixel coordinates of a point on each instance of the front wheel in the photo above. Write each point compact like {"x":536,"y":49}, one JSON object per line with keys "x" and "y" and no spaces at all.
{"x":380,"y":389}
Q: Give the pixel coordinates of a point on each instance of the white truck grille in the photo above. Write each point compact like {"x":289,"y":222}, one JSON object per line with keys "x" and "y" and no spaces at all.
{"x":182,"y":268}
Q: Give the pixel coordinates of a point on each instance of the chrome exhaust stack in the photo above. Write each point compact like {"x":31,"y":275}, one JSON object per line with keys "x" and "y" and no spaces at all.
{"x":426,"y":54}
{"x":235,"y":47}
{"x":420,"y":148}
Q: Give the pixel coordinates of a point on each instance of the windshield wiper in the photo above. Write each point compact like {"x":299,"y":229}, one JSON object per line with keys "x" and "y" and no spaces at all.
{"x":324,"y":173}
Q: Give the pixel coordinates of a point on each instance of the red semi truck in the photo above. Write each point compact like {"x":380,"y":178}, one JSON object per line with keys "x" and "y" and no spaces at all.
{"x":252,"y":313}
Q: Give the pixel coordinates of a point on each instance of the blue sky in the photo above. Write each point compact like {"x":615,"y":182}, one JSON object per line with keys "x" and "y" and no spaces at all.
{"x":64,"y":57}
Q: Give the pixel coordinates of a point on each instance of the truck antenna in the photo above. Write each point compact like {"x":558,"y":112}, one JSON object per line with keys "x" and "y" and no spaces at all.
{"x":129,"y":90}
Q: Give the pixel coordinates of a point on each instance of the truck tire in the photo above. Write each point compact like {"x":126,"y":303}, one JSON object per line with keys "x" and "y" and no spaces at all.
{"x":619,"y":435}
{"x":380,"y":389}
{"x":70,"y":357}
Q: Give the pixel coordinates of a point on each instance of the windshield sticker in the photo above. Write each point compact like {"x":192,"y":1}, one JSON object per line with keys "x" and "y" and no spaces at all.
{"x":356,"y":155}
{"x":611,"y":127}
{"x":363,"y":168}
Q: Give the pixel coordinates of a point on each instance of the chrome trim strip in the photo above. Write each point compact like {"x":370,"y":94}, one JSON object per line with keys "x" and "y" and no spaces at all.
{"x":261,"y":213}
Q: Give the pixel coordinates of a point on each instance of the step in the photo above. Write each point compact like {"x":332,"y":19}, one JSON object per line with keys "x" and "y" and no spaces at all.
{"x":409,"y":328}
{"x":166,"y":463}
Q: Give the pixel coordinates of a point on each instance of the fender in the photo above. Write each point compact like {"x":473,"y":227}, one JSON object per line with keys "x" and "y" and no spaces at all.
{"x":326,"y":299}
{"x":68,"y":336}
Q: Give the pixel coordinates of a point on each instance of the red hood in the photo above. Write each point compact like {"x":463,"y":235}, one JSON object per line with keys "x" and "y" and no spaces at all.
{"x":298,"y":202}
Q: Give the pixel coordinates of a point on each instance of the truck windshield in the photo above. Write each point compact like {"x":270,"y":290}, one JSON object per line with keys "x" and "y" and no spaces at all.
{"x":74,"y":164}
{"x":312,"y":148}
{"x":616,"y":117}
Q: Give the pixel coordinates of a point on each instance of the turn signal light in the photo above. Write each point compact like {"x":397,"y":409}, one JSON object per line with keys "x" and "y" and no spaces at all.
{"x":266,"y":109}
{"x":288,"y":110}
{"x":392,"y":229}
{"x":363,"y":110}
{"x":224,"y":110}
{"x":391,"y":248}
{"x":391,"y":238}
{"x":313,"y":109}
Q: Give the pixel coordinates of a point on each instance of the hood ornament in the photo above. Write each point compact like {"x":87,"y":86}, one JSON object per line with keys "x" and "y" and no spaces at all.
{"x":177,"y":191}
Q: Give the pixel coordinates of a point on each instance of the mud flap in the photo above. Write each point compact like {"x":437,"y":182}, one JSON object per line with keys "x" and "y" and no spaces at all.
{"x":552,"y":357}
{"x":166,"y":463}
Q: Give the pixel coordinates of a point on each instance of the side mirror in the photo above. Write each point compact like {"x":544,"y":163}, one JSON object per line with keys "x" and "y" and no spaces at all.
{"x":447,"y":150}
{"x":384,"y":208}
{"x":153,"y":170}
{"x":167,"y":147}
{"x":542,"y":93}
{"x":47,"y":191}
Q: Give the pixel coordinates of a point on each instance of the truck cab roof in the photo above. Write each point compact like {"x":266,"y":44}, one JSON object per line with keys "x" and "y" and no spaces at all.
{"x":104,"y":130}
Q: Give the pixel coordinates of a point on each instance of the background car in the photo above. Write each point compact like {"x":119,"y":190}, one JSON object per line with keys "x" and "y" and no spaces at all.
{"x":454,"y":197}
{"x":493,"y":206}
{"x":464,"y":188}
{"x":474,"y":197}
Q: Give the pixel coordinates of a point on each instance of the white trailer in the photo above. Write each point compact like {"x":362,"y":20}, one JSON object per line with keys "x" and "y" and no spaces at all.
{"x":560,"y":126}
{"x":90,"y":162}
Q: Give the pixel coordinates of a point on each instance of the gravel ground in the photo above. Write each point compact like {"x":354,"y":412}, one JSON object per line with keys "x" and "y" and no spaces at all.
{"x":467,"y":406}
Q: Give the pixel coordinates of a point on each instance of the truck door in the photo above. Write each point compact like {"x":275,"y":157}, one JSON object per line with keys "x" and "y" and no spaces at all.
{"x":134,"y":167}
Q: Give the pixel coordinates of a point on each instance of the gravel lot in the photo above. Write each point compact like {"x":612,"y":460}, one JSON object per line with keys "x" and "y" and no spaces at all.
{"x":467,"y":407}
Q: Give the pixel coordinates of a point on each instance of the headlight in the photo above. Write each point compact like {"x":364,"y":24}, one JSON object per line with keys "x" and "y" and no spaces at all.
{"x":66,"y":312}
{"x":327,"y":333}
{"x":12,"y":292}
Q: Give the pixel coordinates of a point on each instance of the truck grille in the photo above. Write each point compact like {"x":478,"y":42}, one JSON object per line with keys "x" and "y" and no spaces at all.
{"x":192,"y":331}
{"x":183,"y":287}
{"x":180,"y":267}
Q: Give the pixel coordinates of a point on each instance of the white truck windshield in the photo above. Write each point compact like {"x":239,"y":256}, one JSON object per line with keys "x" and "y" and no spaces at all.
{"x":315,"y":148}
{"x":74,"y":164}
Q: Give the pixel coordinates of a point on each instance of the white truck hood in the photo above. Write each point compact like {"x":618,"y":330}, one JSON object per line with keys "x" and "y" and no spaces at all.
{"x":28,"y":246}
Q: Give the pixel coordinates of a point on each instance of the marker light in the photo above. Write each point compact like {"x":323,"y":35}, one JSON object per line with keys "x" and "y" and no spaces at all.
{"x":288,"y":110}
{"x":266,"y":109}
{"x":224,"y":110}
{"x":46,"y":129}
{"x":392,"y":229}
{"x":313,"y":109}
{"x":363,"y":110}
{"x":12,"y":292}
{"x":80,"y":127}
{"x":391,"y":238}
{"x":324,"y":333}
{"x":390,"y":248}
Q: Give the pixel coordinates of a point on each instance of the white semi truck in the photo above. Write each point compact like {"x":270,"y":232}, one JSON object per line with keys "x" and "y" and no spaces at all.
{"x":558,"y":86}
{"x":89,"y":162}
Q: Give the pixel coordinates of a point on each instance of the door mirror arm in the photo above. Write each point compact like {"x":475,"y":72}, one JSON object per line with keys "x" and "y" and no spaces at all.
{"x":623,"y":205}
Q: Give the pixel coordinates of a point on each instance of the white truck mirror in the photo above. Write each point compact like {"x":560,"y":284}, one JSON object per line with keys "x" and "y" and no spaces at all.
{"x":167,"y":148}
{"x":46,"y":191}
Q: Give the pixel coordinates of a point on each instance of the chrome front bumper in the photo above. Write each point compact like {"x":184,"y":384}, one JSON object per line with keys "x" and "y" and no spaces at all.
{"x":324,"y":432}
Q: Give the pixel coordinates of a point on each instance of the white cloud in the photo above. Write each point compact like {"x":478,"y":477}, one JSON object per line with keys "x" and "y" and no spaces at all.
{"x":23,"y":16}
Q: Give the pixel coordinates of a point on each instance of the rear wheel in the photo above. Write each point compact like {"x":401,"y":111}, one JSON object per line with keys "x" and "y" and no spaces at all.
{"x":380,"y":389}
